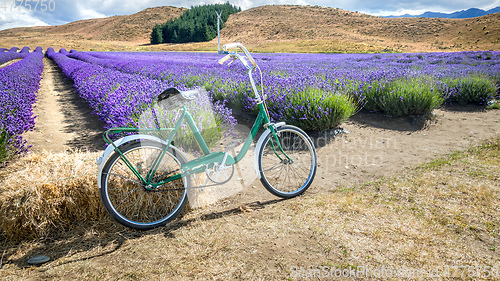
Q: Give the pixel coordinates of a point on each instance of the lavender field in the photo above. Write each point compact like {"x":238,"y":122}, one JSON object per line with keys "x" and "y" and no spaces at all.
{"x":313,"y":91}
{"x":320,"y":91}
{"x":19,"y":83}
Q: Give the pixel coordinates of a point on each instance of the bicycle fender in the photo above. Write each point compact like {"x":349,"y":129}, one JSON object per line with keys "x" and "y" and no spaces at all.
{"x":110,"y":149}
{"x":258,"y":146}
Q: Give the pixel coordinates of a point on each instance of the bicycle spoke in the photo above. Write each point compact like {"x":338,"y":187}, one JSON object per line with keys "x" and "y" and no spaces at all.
{"x":294,"y":174}
{"x":128,"y":199}
{"x":123,"y":177}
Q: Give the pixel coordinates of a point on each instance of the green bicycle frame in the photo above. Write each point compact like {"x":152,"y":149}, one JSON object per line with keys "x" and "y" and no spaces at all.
{"x":194,"y":166}
{"x":197,"y":165}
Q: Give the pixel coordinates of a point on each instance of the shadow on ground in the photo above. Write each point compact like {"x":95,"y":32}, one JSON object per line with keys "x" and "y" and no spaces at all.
{"x":408,"y":124}
{"x":78,"y":116}
{"x":103,"y":238}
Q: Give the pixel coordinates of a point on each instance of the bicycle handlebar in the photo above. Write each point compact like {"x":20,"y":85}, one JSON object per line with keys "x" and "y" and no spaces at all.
{"x":224,"y":59}
{"x":244,"y":60}
{"x":229,"y":46}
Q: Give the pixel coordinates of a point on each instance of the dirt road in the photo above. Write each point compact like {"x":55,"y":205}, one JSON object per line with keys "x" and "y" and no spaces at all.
{"x":63,"y":121}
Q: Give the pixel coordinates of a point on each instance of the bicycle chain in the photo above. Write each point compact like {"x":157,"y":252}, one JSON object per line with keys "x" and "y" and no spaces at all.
{"x":163,"y":176}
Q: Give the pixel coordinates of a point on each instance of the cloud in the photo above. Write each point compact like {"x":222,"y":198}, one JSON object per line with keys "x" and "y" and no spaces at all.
{"x":16,"y":18}
{"x":88,"y":13}
{"x":68,"y":10}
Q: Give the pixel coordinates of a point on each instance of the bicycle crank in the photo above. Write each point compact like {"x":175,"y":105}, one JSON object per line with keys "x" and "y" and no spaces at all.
{"x":220,"y":173}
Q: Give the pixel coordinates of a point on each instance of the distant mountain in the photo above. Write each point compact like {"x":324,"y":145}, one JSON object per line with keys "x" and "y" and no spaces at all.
{"x":465,"y":14}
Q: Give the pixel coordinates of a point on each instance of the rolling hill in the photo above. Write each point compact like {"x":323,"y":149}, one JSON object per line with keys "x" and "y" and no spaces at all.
{"x":275,"y":28}
{"x":116,"y":32}
{"x":334,"y":30}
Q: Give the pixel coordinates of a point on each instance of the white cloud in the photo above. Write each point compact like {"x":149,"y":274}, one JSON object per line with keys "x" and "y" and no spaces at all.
{"x":88,"y":13}
{"x":398,"y":12}
{"x":22,"y":18}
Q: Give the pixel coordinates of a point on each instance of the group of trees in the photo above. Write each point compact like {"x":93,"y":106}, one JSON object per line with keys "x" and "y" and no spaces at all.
{"x":197,"y":24}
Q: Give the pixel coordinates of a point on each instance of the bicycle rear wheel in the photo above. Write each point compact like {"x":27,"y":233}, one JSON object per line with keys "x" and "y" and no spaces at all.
{"x":290,"y":176}
{"x":128,"y":200}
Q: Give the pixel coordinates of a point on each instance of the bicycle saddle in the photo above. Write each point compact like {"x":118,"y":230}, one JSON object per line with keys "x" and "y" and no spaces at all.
{"x":183,"y":95}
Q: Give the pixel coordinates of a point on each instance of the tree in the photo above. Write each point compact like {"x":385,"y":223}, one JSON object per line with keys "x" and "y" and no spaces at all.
{"x":156,"y":35}
{"x":175,"y":38}
{"x":197,"y":24}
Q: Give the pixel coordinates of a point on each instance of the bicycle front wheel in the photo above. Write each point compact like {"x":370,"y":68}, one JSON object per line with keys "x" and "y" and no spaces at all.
{"x":129,"y":201}
{"x":291,"y":173}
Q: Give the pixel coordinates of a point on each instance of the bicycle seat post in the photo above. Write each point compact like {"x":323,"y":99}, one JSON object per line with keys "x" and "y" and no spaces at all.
{"x":229,"y":146}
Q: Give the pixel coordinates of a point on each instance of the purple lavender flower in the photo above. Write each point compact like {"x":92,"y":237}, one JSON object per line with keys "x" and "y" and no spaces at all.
{"x":19,"y":83}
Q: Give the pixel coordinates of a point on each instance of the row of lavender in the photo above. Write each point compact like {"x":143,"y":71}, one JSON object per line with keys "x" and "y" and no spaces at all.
{"x":118,"y":98}
{"x":319,"y":91}
{"x":310,"y":109}
{"x":8,"y":55}
{"x":19,"y":83}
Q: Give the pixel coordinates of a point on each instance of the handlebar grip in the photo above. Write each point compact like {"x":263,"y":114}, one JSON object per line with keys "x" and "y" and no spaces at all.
{"x":226,"y":47}
{"x":224,"y":59}
{"x":231,"y":46}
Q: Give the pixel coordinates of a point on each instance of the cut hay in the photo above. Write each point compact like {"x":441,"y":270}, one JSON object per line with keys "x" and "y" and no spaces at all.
{"x":47,"y":193}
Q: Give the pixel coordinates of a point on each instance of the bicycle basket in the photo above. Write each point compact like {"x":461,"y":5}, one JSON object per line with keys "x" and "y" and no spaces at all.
{"x":170,"y":99}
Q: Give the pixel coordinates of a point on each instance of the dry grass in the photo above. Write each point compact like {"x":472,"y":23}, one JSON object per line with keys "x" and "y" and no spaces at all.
{"x":124,"y":28}
{"x":442,"y":213}
{"x":356,"y":32}
{"x":47,"y":193}
{"x":272,"y":28}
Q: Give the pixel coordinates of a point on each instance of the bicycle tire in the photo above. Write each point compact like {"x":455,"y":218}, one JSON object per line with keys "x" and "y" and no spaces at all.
{"x":126,"y":199}
{"x":281,"y":177}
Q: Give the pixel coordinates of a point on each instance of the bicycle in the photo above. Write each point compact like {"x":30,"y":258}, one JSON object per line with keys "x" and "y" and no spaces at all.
{"x":143,"y":179}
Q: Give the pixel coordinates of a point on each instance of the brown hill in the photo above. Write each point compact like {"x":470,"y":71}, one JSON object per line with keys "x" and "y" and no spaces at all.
{"x":331,"y":30}
{"x":275,"y":28}
{"x":103,"y":33}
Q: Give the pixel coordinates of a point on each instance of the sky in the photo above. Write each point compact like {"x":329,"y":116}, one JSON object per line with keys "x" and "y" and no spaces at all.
{"x":63,"y":11}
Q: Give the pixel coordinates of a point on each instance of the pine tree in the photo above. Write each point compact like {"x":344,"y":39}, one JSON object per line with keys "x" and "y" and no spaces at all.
{"x":156,"y":35}
{"x":174,"y":39}
{"x":197,"y":24}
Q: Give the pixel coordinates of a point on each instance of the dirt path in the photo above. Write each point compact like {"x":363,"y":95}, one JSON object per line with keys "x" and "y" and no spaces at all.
{"x":9,"y":63}
{"x":376,"y":147}
{"x":63,"y":121}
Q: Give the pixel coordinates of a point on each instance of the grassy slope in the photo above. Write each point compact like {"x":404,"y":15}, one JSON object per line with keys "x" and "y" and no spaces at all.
{"x":111,"y":33}
{"x":276,"y":28}
{"x":442,"y":213}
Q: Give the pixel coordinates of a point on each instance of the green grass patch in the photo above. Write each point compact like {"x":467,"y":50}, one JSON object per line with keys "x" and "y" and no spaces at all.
{"x":475,"y":89}
{"x":315,"y":109}
{"x":442,"y":161}
{"x":402,"y":97}
{"x":4,"y":147}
